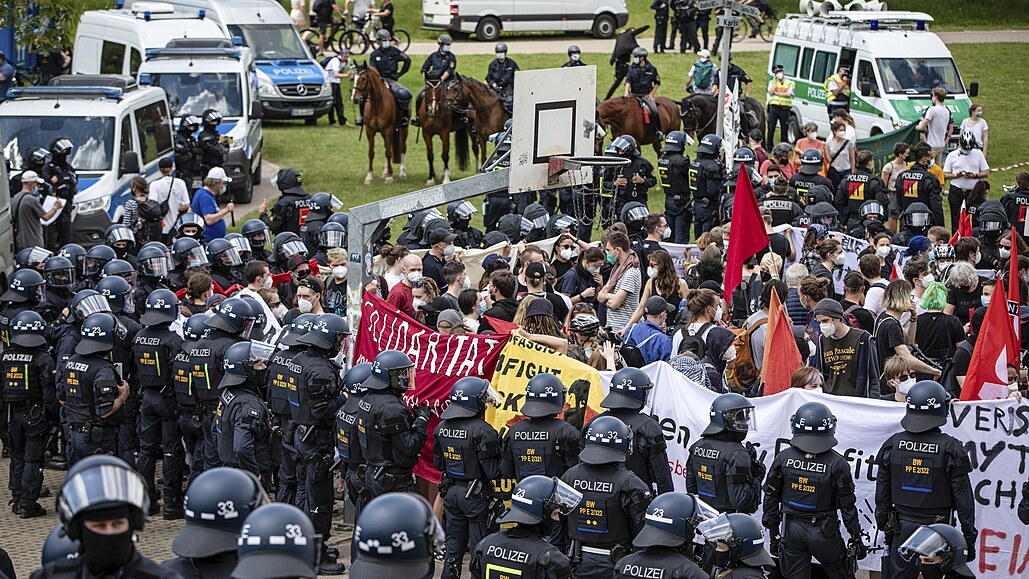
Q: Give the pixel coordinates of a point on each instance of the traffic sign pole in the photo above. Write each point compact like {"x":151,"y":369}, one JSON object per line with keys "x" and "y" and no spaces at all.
{"x":727,"y":22}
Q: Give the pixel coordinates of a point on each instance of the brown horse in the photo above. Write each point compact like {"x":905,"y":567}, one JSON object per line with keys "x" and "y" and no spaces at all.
{"x":380,"y":118}
{"x":624,"y":116}
{"x":487,"y":112}
{"x":436,"y":116}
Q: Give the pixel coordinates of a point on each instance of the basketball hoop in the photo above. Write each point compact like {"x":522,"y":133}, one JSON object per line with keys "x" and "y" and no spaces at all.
{"x":559,"y":165}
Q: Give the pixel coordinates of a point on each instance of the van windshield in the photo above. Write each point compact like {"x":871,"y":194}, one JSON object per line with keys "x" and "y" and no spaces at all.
{"x":270,"y":41}
{"x":194,"y":93}
{"x":93,"y":138}
{"x":919,"y":75}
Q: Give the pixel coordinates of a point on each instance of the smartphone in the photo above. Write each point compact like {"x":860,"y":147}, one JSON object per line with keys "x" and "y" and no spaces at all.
{"x":118,"y":370}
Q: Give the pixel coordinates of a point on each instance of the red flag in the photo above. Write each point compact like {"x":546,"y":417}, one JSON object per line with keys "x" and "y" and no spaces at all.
{"x":782,"y":358}
{"x":501,"y":326}
{"x":964,"y":225}
{"x":987,"y":377}
{"x":1014,"y":297}
{"x":750,"y":236}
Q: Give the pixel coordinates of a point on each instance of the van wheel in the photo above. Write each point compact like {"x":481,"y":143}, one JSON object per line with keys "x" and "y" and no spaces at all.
{"x":257,"y":178}
{"x":246,"y":193}
{"x":793,"y":128}
{"x":875,"y":132}
{"x":604,"y":26}
{"x":488,"y":29}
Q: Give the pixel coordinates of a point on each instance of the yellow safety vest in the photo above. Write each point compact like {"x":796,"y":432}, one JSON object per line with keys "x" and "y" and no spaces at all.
{"x":781,"y":96}
{"x":844,"y":93}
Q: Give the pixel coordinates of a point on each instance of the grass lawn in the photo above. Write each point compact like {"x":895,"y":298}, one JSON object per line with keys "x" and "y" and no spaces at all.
{"x":332,"y":159}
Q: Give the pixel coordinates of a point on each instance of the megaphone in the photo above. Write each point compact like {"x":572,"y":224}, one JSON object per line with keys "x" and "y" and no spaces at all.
{"x":810,"y":7}
{"x":876,"y":6}
{"x":829,"y":6}
{"x":856,"y":6}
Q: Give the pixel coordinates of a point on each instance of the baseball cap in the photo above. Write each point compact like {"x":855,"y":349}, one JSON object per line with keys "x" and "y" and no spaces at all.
{"x":295,"y":261}
{"x":219,"y":174}
{"x":704,"y":53}
{"x":656,"y":305}
{"x":441,"y":235}
{"x":777,"y":68}
{"x":165,"y":163}
{"x":535,"y":270}
{"x":30,"y":177}
{"x":540,"y":307}
{"x":452,"y":317}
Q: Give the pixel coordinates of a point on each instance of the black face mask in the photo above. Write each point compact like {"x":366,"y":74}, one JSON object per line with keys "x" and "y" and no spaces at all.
{"x":302,"y":275}
{"x":105,"y":554}
{"x":722,"y":559}
{"x":259,"y":377}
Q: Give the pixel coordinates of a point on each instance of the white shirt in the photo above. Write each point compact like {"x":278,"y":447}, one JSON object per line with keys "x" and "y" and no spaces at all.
{"x":174,"y":191}
{"x":271,"y":325}
{"x":977,"y":129}
{"x":874,"y":298}
{"x":333,"y":66}
{"x":973,"y":162}
{"x":938,"y":118}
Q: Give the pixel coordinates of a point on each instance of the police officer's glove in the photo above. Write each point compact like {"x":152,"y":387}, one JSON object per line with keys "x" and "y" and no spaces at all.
{"x":422,"y":412}
{"x":757,"y":468}
{"x":775,"y":544}
{"x":860,"y":550}
{"x":970,"y":545}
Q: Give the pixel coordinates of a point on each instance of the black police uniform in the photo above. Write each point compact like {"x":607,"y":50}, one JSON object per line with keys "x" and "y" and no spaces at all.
{"x":784,"y":208}
{"x":614,"y":502}
{"x":736,"y":77}
{"x":922,"y":479}
{"x":467,"y":452}
{"x":649,"y":458}
{"x":154,"y":351}
{"x":467,"y":236}
{"x":128,"y":430}
{"x":386,"y":59}
{"x":518,"y":552}
{"x":686,"y":24}
{"x":213,"y":153}
{"x":918,"y":184}
{"x":854,"y":190}
{"x":57,"y":300}
{"x":660,"y":8}
{"x":614,"y":198}
{"x":350,"y":453}
{"x":217,"y":566}
{"x":705,"y":182}
{"x":545,"y":446}
{"x":207,"y":355}
{"x":190,"y":415}
{"x":282,"y":376}
{"x":145,"y":285}
{"x":1016,"y":203}
{"x":502,"y":73}
{"x":390,"y":440}
{"x":7,"y":313}
{"x":243,"y":430}
{"x":75,"y":568}
{"x":673,"y":170}
{"x":88,"y":390}
{"x":808,"y":489}
{"x":801,"y":182}
{"x":720,"y":471}
{"x":656,"y":562}
{"x":188,"y":159}
{"x":437,"y":63}
{"x":642,"y":80}
{"x":65,"y":183}
{"x":28,"y":394}
{"x":290,"y":211}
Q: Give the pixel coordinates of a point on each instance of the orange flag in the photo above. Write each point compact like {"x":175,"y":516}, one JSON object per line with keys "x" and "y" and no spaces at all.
{"x":987,"y":377}
{"x":782,"y":358}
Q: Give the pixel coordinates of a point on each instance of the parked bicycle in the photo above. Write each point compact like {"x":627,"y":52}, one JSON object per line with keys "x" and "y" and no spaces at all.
{"x":755,"y":26}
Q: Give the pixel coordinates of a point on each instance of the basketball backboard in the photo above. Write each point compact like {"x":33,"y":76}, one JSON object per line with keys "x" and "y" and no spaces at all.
{"x":554,"y":115}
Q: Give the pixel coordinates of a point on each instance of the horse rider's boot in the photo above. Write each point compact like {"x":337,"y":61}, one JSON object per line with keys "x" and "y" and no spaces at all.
{"x":405,"y":114}
{"x":359,"y":121}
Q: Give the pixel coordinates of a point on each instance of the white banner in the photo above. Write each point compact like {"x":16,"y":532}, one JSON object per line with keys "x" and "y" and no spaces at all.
{"x":730,"y":121}
{"x":683,"y":256}
{"x":996,"y":435}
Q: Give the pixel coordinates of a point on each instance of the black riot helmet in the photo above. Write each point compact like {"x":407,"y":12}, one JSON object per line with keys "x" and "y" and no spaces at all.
{"x":212,"y":117}
{"x":939,"y":540}
{"x":28,"y":330}
{"x":233,"y":316}
{"x":189,"y":123}
{"x":709,"y":145}
{"x":396,"y":536}
{"x":188,"y":252}
{"x":742,"y":534}
{"x":101,"y":483}
{"x":391,"y":370}
{"x":39,"y":157}
{"x":152,"y":261}
{"x":327,"y":332}
{"x":191,"y":225}
{"x":675,"y":142}
{"x":216,"y":504}
{"x":32,"y":257}
{"x":60,"y":273}
{"x":544,"y":396}
{"x":118,"y":233}
{"x":195,"y":328}
{"x":242,"y":245}
{"x":277,"y":540}
{"x":672,"y":519}
{"x":59,"y":546}
{"x":287,"y":244}
{"x":992,"y":219}
{"x":460,"y":211}
{"x":162,"y":307}
{"x":300,"y":326}
{"x":818,"y":194}
{"x":633,"y":215}
{"x":120,"y":268}
{"x":238,"y":361}
{"x":625,"y":145}
{"x":560,"y":222}
{"x":331,"y":236}
{"x":322,"y":204}
{"x":822,"y":212}
{"x":256,"y":232}
{"x":871,"y":209}
{"x":61,"y":147}
{"x":629,"y":389}
{"x":95,"y":260}
{"x":340,"y":217}
{"x":223,"y":254}
{"x":98,"y":334}
{"x":538,"y":215}
{"x":917,"y":218}
{"x":75,"y":253}
{"x":927,"y":403}
{"x":118,"y":293}
{"x":356,"y":376}
{"x":86,"y":303}
{"x":537,"y":497}
{"x":810,"y":161}
{"x":469,"y":397}
{"x":814,"y":428}
{"x":26,"y":285}
{"x":607,"y":440}
{"x":731,"y":412}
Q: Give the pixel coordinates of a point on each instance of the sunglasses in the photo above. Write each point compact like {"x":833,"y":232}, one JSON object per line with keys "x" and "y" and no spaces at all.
{"x":906,"y":376}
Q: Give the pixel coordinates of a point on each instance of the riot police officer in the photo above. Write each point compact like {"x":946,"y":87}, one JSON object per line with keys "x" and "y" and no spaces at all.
{"x":28,"y":396}
{"x":219,"y":500}
{"x":459,"y":214}
{"x":242,"y":427}
{"x":782,"y":202}
{"x":705,"y":181}
{"x":118,"y":293}
{"x":991,"y":221}
{"x":500,"y":76}
{"x":213,"y":152}
{"x":386,"y":59}
{"x":744,"y":158}
{"x":917,"y":184}
{"x":92,"y":391}
{"x":319,"y":398}
{"x":76,"y":254}
{"x":915,"y":220}
{"x":808,"y":482}
{"x":265,"y":555}
{"x":319,"y":209}
{"x":536,"y":501}
{"x":857,"y":188}
{"x":720,"y":470}
{"x":673,"y":170}
{"x":152,"y":270}
{"x":93,"y":264}
{"x":225,"y":263}
{"x":282,"y":388}
{"x":190,"y":415}
{"x":59,"y":546}
{"x":933,"y":491}
{"x":396,"y":536}
{"x":940,"y":550}
{"x":188,"y":158}
{"x":642,"y":81}
{"x":625,"y":400}
{"x":823,"y":213}
{"x":626,"y":183}
{"x":542,"y":444}
{"x":64,"y":182}
{"x":290,"y":210}
{"x":154,"y":350}
{"x":346,"y":438}
{"x":467,"y":451}
{"x":60,"y":279}
{"x":601,"y":534}
{"x":738,"y":546}
{"x":869,"y":211}
{"x":26,"y":291}
{"x":256,"y":232}
{"x":666,"y":540}
{"x":807,"y":175}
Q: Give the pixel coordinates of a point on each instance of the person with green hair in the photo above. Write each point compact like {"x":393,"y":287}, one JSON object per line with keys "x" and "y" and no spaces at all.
{"x":937,"y":333}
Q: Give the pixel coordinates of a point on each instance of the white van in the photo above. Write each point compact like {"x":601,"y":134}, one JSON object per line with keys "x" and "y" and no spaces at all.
{"x":199,"y":74}
{"x":113,"y":41}
{"x":119,"y":130}
{"x":895,"y":63}
{"x":488,"y":18}
{"x":291,"y":84}
{"x":6,"y":228}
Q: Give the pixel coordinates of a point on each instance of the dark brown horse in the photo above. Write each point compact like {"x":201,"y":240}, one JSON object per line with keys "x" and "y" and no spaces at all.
{"x":624,"y":116}
{"x":700,"y":112}
{"x":436,"y":116}
{"x":486,"y":111}
{"x":380,"y":118}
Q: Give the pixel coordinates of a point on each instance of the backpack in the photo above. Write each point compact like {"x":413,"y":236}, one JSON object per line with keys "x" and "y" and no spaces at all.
{"x":322,"y":7}
{"x":746,"y":367}
{"x":631,"y":355}
{"x":948,"y":376}
{"x":695,"y":345}
{"x":705,"y":70}
{"x":325,"y":61}
{"x":745,"y":299}
{"x":151,"y":211}
{"x":850,"y":318}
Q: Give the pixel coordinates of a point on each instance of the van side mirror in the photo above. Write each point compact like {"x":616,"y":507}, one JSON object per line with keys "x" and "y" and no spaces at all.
{"x":256,"y":109}
{"x":973,"y":90}
{"x":129,"y":164}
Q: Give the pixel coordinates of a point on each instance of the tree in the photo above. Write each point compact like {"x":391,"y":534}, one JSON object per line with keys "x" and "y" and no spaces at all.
{"x":46,"y":24}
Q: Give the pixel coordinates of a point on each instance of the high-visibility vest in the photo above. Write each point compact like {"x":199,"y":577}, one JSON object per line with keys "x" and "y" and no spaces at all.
{"x":782,"y":93}
{"x":844,"y":96}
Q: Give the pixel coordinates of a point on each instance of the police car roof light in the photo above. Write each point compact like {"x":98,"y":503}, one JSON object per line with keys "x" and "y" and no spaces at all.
{"x":122,"y":81}
{"x":192,"y":53}
{"x":202,"y":13}
{"x":145,"y":79}
{"x":65,"y":92}
{"x":119,"y":4}
{"x":237,"y":41}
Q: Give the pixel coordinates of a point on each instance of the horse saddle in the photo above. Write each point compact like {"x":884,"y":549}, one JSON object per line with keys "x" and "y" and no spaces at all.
{"x":650,"y":113}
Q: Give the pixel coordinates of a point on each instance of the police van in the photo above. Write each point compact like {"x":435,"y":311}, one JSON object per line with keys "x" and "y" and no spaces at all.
{"x":291,"y":84}
{"x":6,"y":227}
{"x":199,"y":74}
{"x":488,"y":18}
{"x":895,"y":63}
{"x":119,"y":130}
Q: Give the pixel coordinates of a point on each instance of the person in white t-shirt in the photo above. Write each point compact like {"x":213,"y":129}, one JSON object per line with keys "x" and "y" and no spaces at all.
{"x":976,"y":124}
{"x":338,"y":67}
{"x":937,"y":124}
{"x":964,"y":167}
{"x":172,"y":189}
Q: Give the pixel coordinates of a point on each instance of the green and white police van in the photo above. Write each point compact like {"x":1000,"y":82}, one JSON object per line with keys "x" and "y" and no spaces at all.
{"x":895,"y":64}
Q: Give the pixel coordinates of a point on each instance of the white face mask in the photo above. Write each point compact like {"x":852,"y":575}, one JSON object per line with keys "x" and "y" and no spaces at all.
{"x":780,"y":75}
{"x":467,"y":283}
{"x":449,"y":250}
{"x":575,"y":58}
{"x":811,"y":347}
{"x":883,"y":250}
{"x":841,"y":134}
{"x":279,"y":312}
{"x":1005,"y":253}
{"x":667,"y":233}
{"x":593,"y":270}
{"x":651,"y":272}
{"x":904,"y":386}
{"x":828,"y":329}
{"x":928,"y":279}
{"x":414,"y":276}
{"x":418,"y":304}
{"x":339,"y":272}
{"x":718,"y":314}
{"x":976,"y":257}
{"x":812,"y":135}
{"x":840,"y":260}
{"x":635,"y":60}
{"x":304,"y":306}
{"x":267,"y":283}
{"x":501,"y":56}
{"x":567,"y":254}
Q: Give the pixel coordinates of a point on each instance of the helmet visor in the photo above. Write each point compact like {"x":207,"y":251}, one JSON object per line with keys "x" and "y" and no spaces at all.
{"x":90,"y":305}
{"x":873,"y":208}
{"x":38,"y":255}
{"x":63,"y":277}
{"x":540,"y":222}
{"x":258,"y":238}
{"x":335,"y":203}
{"x":638,"y":213}
{"x":331,"y":238}
{"x":102,"y":485}
{"x":229,"y":257}
{"x":564,"y":222}
{"x":919,"y":219}
{"x":565,"y":498}
{"x":242,"y":245}
{"x":703,"y":511}
{"x":291,"y":248}
{"x":991,"y":226}
{"x":925,"y":542}
{"x":120,"y":234}
{"x":465,"y":209}
{"x":525,"y":226}
{"x":261,"y":351}
{"x":195,"y":257}
{"x":491,"y":397}
{"x":740,"y":419}
{"x":154,"y":266}
{"x":716,"y":529}
{"x":38,"y":292}
{"x":91,"y":266}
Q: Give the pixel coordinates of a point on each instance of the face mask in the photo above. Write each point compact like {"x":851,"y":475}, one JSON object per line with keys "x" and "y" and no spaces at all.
{"x":904,"y":386}
{"x":589,"y":352}
{"x":841,"y":134}
{"x":467,"y":283}
{"x":828,"y":329}
{"x":418,"y":304}
{"x":811,"y":347}
{"x":718,"y":314}
{"x":575,"y":58}
{"x":567,"y":254}
{"x":667,"y":233}
{"x":780,"y":75}
{"x":446,"y":48}
{"x":985,"y":300}
{"x":976,"y":257}
{"x":612,"y":259}
{"x":839,"y":260}
{"x":304,"y":306}
{"x":339,"y":272}
{"x":501,"y":56}
{"x":721,"y":559}
{"x":414,"y":276}
{"x":1005,"y":253}
{"x":280,"y":311}
{"x":449,"y":250}
{"x":593,"y":270}
{"x":635,"y":60}
{"x":771,"y":182}
{"x":302,"y":275}
{"x":932,"y":163}
{"x":651,"y":272}
{"x":267,"y":283}
{"x":812,"y":135}
{"x":928,"y":279}
{"x":482,"y":308}
{"x":978,"y":113}
{"x":107,"y":553}
{"x":883,"y":250}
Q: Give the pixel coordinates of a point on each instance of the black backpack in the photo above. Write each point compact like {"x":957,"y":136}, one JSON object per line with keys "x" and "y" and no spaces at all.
{"x":948,"y":376}
{"x":746,"y":299}
{"x":695,"y":345}
{"x":631,"y":355}
{"x":151,"y":211}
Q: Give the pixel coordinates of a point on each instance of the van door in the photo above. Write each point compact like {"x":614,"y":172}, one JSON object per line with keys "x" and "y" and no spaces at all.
{"x":87,"y":55}
{"x":254,"y":126}
{"x":126,"y":144}
{"x":823,"y":65}
{"x":6,"y":227}
{"x":436,"y":13}
{"x":866,"y":104}
{"x":154,"y":135}
{"x":532,"y":15}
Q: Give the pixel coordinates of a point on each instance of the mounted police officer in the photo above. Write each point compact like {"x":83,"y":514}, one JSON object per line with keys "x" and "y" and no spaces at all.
{"x":625,"y":400}
{"x":666,"y":540}
{"x":154,"y":351}
{"x":242,"y":427}
{"x":642,"y":82}
{"x":705,"y":183}
{"x":720,"y":470}
{"x":219,"y":500}
{"x":738,"y":546}
{"x":391,"y":434}
{"x":62,"y":178}
{"x":346,"y":438}
{"x":188,"y":158}
{"x":190,"y":415}
{"x":387,"y":59}
{"x":281,"y":543}
{"x":396,"y":536}
{"x":500,"y":76}
{"x":282,"y":396}
{"x":614,"y":500}
{"x":523,"y":548}
{"x":923,"y":479}
{"x":917,"y":184}
{"x":673,"y":170}
{"x":940,"y":550}
{"x":440,"y":66}
{"x":29,"y":395}
{"x":808,"y":482}
{"x":574,"y":57}
{"x":807,"y":176}
{"x":319,"y":398}
{"x":26,"y":291}
{"x":542,"y":444}
{"x":213,"y":152}
{"x":290,"y":211}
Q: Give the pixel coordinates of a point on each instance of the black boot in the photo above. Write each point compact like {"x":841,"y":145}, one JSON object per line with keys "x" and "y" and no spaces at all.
{"x":359,"y":121}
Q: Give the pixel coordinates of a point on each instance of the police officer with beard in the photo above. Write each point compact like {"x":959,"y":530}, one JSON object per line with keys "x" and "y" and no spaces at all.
{"x":808,"y":482}
{"x":625,"y":400}
{"x":28,"y":395}
{"x":705,"y":182}
{"x":922,"y":479}
{"x":242,"y":426}
{"x":118,"y":293}
{"x":542,"y":444}
{"x":614,"y":500}
{"x":720,"y":470}
{"x":26,"y":291}
{"x":190,"y":413}
{"x":290,"y":210}
{"x":396,"y":536}
{"x":467,"y":451}
{"x":64,"y":182}
{"x":346,"y":438}
{"x":188,"y":162}
{"x":282,"y":394}
{"x":673,"y":170}
{"x":666,"y":540}
{"x":536,"y":502}
{"x":459,"y":214}
{"x":154,"y":350}
{"x":319,"y":397}
{"x":213,"y":152}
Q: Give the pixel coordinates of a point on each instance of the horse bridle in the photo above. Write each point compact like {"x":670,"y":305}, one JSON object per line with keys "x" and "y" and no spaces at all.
{"x":365,"y":92}
{"x":697,"y":130}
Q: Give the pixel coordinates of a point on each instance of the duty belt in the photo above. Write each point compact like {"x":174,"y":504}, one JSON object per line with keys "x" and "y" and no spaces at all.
{"x":595,"y":550}
{"x":928,"y":519}
{"x":812,"y":519}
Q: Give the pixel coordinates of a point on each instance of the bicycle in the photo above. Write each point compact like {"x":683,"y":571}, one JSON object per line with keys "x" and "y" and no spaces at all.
{"x":751,"y":26}
{"x":310,"y":36}
{"x":358,"y":39}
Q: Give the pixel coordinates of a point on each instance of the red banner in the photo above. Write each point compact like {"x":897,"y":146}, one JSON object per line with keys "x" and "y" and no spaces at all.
{"x":440,"y":360}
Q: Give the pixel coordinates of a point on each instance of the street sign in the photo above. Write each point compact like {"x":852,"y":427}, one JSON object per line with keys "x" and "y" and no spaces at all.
{"x":728,"y":4}
{"x":729,"y":21}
